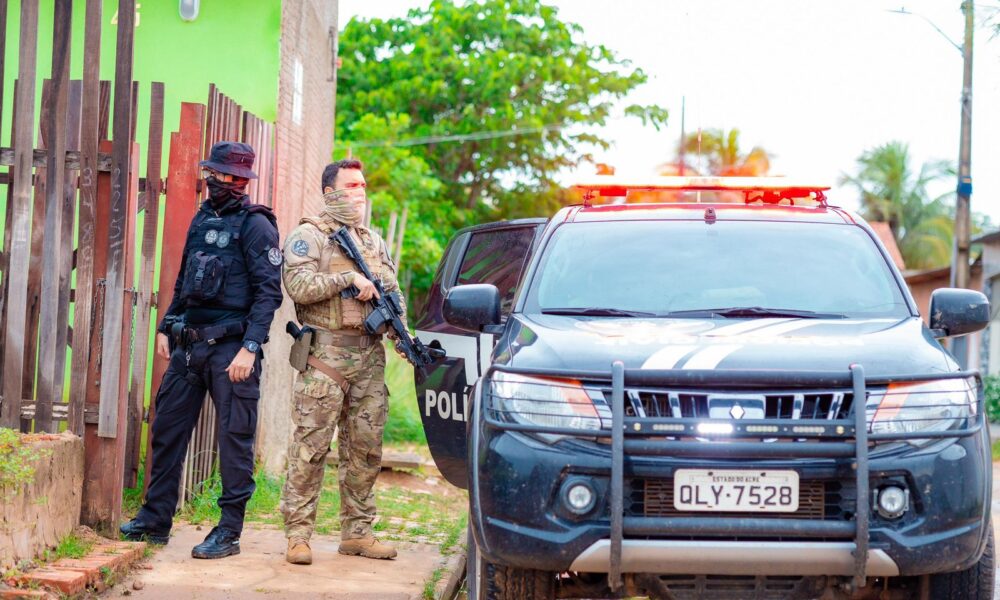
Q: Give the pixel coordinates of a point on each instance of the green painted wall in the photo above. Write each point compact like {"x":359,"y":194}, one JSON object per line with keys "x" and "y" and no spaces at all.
{"x":232,"y":43}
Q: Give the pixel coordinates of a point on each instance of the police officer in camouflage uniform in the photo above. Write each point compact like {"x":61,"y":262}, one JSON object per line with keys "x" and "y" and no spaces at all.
{"x":225,"y":296}
{"x":345,"y":390}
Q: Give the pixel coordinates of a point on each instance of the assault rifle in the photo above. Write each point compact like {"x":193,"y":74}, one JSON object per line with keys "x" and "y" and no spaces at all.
{"x":387,"y":310}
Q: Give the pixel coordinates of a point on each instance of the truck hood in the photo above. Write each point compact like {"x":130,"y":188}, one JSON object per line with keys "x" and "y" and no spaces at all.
{"x":885,"y":347}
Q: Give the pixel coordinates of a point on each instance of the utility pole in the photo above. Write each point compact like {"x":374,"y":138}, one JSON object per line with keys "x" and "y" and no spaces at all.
{"x":680,"y":154}
{"x":963,"y":228}
{"x":960,"y":256}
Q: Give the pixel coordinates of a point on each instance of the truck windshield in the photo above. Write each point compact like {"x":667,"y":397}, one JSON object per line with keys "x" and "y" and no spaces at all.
{"x":729,"y":269}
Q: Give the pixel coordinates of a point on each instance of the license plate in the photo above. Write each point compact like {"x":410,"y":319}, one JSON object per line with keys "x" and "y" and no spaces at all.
{"x":721,"y":490}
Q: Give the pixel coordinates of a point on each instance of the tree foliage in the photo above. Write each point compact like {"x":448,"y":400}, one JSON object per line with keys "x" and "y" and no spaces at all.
{"x":718,"y":152}
{"x":490,"y":98}
{"x":890,"y":191}
{"x":397,"y":180}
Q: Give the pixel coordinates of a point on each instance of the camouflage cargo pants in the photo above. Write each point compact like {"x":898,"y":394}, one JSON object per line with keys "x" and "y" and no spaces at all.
{"x":320,"y":408}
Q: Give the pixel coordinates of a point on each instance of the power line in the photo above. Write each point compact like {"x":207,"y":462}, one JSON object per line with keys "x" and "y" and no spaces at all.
{"x":461,"y":137}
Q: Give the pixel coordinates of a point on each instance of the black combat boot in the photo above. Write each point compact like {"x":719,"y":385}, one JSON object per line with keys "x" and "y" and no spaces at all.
{"x":220,"y":543}
{"x":138,"y":531}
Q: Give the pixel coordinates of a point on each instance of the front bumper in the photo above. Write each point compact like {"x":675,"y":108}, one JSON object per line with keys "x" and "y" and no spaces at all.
{"x":677,"y":557}
{"x":520,"y":518}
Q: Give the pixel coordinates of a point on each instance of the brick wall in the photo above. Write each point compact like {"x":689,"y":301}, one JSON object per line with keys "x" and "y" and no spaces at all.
{"x":303,"y":146}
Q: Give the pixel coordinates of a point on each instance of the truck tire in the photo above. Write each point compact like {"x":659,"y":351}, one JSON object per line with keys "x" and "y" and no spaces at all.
{"x":509,"y":583}
{"x":974,"y":583}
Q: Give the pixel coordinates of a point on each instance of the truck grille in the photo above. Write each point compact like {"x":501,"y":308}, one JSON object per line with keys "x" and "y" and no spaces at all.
{"x":817,"y":500}
{"x":767,"y":405}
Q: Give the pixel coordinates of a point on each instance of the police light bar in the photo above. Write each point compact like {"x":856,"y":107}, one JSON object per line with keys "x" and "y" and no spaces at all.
{"x":615,"y":185}
{"x":771,"y":190}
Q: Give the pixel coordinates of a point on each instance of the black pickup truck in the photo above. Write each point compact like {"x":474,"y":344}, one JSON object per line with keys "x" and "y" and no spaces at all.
{"x":706,"y":399}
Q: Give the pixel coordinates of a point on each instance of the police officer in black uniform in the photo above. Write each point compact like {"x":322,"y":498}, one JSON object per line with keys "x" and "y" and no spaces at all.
{"x":224,"y":299}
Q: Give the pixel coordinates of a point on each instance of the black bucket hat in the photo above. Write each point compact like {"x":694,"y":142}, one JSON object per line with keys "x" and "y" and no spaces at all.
{"x":232,"y":158}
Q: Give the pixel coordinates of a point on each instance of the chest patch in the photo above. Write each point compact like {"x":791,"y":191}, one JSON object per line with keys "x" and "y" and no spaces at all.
{"x":211,"y":236}
{"x":223,"y":240}
{"x":274,"y":255}
{"x":300,"y":248}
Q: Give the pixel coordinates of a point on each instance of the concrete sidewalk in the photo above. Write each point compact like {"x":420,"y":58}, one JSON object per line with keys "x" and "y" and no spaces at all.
{"x":260,"y":571}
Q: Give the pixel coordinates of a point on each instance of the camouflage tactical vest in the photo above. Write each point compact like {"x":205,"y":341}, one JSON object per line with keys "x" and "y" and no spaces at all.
{"x":336,"y":312}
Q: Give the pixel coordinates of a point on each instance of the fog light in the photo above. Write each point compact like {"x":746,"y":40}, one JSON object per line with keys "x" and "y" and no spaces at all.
{"x":893,"y":501}
{"x":579,"y":496}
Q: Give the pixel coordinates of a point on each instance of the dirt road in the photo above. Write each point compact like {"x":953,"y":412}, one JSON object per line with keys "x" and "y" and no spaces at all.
{"x":260,"y":571}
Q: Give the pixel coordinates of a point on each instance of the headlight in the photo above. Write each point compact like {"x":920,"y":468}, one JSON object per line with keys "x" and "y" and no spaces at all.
{"x":547,"y":402}
{"x":923,"y":406}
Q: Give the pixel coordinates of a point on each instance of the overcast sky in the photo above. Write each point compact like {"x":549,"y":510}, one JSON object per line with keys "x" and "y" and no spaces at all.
{"x":815,"y":83}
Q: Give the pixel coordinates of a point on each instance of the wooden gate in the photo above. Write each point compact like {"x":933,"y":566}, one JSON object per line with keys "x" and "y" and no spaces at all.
{"x":74,"y":196}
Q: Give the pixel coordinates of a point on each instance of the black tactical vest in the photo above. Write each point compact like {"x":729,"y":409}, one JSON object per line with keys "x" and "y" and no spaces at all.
{"x":216,"y":274}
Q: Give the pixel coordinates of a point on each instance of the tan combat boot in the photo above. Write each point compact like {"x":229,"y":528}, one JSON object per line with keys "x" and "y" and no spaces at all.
{"x":368,"y":547}
{"x":298,"y":552}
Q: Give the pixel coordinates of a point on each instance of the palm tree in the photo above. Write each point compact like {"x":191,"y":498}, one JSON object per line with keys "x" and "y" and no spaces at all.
{"x":893,"y":193}
{"x":718,"y":152}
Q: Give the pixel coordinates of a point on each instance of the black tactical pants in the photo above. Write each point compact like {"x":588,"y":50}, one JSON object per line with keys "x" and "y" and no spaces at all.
{"x":193,"y":371}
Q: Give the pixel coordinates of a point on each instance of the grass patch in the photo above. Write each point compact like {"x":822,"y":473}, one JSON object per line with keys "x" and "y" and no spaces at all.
{"x":17,"y":462}
{"x":403,"y":424}
{"x":991,"y":392}
{"x":71,"y":546}
{"x":264,"y":504}
{"x":108,"y":577}
{"x":132,"y":497}
{"x":203,"y":506}
{"x":411,"y":507}
{"x":996,"y":450}
{"x":431,"y":583}
{"x":453,"y":533}
{"x":262,"y":507}
{"x":407,"y":514}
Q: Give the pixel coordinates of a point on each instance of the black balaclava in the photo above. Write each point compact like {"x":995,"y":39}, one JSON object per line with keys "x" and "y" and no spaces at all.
{"x":221,"y":193}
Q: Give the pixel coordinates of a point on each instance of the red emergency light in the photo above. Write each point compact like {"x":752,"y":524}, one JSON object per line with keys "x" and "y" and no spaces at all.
{"x":772,"y":190}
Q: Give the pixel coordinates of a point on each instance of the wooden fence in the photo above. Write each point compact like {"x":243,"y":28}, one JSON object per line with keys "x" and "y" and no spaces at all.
{"x":74,"y":196}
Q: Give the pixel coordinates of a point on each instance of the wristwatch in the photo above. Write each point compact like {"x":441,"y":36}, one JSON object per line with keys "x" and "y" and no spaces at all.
{"x":251,"y":345}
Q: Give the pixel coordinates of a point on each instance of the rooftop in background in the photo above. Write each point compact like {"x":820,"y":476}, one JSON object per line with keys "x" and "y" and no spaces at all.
{"x":884,"y":233}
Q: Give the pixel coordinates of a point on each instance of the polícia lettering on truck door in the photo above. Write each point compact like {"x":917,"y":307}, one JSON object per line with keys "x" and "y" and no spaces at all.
{"x":447,"y":405}
{"x":475,"y":354}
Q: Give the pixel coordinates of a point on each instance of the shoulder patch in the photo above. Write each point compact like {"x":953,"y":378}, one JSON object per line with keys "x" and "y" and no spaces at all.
{"x":274,"y":256}
{"x":300,"y":248}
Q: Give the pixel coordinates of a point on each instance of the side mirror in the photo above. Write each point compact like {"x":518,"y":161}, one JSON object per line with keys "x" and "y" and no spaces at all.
{"x":958,"y":312}
{"x":473,"y":306}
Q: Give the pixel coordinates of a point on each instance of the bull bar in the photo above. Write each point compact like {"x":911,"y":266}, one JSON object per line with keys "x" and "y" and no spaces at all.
{"x":841,"y":438}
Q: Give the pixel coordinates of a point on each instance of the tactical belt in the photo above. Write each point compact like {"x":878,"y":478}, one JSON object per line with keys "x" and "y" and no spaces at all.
{"x":330,"y":372}
{"x":213,"y":333}
{"x":344,"y":337}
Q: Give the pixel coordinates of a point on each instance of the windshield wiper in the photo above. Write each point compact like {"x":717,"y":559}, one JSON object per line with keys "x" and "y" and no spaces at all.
{"x":754,"y":312}
{"x":597,"y":312}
